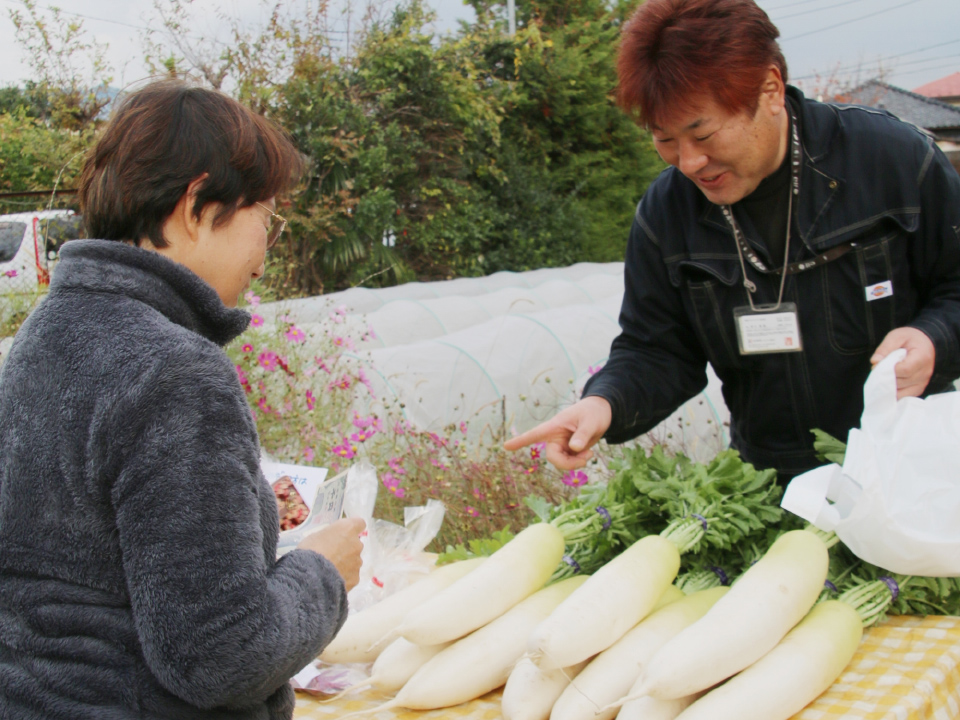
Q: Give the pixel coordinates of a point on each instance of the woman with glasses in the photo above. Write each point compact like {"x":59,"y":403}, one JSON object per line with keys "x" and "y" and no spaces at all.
{"x":138,"y":570}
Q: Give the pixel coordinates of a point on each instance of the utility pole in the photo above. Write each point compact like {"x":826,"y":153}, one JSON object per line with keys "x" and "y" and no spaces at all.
{"x":512,"y":15}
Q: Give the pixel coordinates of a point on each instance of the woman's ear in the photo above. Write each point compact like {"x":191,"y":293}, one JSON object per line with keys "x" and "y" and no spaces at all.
{"x":181,"y":229}
{"x":185,"y":207}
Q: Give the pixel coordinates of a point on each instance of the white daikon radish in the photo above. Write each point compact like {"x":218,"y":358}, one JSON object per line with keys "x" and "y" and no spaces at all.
{"x":792,"y":675}
{"x":482,"y":661}
{"x":612,"y":601}
{"x":369,"y":631}
{"x":651,"y":708}
{"x":512,"y":573}
{"x":671,"y":594}
{"x":531,"y":692}
{"x":611,"y":674}
{"x":395,"y":665}
{"x":745,"y":624}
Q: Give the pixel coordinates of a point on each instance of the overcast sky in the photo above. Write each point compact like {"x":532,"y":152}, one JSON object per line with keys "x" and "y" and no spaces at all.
{"x":913,"y":41}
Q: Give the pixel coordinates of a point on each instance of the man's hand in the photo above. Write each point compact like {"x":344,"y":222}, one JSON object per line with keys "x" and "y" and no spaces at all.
{"x":340,"y":544}
{"x":569,"y":434}
{"x":916,"y":369}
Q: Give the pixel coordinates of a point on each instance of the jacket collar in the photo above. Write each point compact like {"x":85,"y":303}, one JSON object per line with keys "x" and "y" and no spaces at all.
{"x":109,"y":266}
{"x":819,"y":125}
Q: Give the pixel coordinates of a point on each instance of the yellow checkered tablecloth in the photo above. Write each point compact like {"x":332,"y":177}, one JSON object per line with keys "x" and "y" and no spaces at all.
{"x":908,"y":668}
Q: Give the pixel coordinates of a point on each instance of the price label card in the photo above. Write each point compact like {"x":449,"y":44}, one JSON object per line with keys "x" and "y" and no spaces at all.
{"x":306,"y":480}
{"x":775,"y":331}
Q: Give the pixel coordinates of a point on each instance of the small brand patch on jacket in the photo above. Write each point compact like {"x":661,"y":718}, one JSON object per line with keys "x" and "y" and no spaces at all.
{"x":880,"y":290}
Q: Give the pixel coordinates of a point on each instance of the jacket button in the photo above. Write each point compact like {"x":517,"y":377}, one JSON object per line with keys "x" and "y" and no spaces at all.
{"x":833,"y":184}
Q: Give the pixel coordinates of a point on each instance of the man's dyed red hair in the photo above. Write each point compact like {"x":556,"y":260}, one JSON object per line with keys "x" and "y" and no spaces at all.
{"x":673,"y":53}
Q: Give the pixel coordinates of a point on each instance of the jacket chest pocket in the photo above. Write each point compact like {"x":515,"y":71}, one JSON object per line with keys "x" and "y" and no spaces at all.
{"x":865,"y":293}
{"x":711,"y":295}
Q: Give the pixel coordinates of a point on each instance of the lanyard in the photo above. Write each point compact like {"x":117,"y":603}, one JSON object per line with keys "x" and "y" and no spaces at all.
{"x":743,"y":248}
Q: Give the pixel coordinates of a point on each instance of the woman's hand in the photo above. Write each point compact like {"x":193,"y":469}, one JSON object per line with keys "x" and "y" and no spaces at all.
{"x":340,"y":544}
{"x":570,"y":433}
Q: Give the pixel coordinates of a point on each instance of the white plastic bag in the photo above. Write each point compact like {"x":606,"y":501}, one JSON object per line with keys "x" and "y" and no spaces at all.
{"x":392,"y":555}
{"x":896,"y":501}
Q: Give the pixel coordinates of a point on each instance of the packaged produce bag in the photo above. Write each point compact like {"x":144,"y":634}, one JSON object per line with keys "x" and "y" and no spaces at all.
{"x":896,"y":500}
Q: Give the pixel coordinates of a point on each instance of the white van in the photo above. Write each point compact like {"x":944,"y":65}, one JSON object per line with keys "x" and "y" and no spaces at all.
{"x":29,"y":243}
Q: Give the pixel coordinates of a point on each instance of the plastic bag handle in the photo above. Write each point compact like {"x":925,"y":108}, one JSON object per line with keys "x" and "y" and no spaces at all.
{"x":806,"y":496}
{"x":880,"y":396}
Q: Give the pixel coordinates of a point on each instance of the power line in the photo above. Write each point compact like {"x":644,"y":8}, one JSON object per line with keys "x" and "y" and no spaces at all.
{"x":853,"y":20}
{"x":928,"y":69}
{"x":816,"y":10}
{"x":129,"y":25}
{"x":855,"y":66}
{"x":792,"y":4}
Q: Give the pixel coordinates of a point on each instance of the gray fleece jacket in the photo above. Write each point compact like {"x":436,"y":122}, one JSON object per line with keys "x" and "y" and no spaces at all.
{"x":138,"y":536}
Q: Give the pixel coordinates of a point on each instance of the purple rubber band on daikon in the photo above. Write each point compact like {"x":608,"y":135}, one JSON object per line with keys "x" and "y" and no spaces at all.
{"x":830,"y":586}
{"x":701,"y":518}
{"x":607,"y":521}
{"x":892,"y":584}
{"x":572,"y":563}
{"x":724,"y":580}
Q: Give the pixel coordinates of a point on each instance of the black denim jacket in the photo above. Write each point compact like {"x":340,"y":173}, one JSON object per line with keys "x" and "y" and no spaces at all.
{"x":866,"y":177}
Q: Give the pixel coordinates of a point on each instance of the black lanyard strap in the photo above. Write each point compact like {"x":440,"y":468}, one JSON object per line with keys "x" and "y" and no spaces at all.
{"x":801,"y":265}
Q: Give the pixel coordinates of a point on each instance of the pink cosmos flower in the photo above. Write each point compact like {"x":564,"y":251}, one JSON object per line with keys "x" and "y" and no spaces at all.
{"x":11,"y":273}
{"x":395,"y":465}
{"x":336,"y":317}
{"x":392,"y":483}
{"x":463,"y":427}
{"x":398,"y":428}
{"x":322,"y":364}
{"x":343,"y":383}
{"x":311,"y":400}
{"x":264,"y":407}
{"x":308,"y":454}
{"x":256,"y":320}
{"x":269,"y":361}
{"x":533,"y":468}
{"x":244,"y":380}
{"x":362,"y":422}
{"x":295,"y":334}
{"x":343,"y":342}
{"x":362,"y":377}
{"x":536,"y":450}
{"x":478,"y":495}
{"x":345,"y":450}
{"x":248,"y":348}
{"x":390,"y":480}
{"x":574,"y":478}
{"x":594,"y":369}
{"x":362,"y":436}
{"x":254,"y":300}
{"x":472,"y":511}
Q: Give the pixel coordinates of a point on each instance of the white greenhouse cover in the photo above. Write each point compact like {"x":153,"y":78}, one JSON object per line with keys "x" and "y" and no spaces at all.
{"x":509,"y":348}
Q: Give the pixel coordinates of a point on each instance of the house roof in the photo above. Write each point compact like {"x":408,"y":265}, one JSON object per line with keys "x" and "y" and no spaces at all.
{"x":923,"y":112}
{"x":948,"y":86}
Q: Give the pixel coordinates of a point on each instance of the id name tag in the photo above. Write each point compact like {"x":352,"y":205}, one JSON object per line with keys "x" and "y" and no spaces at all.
{"x":768,"y":332}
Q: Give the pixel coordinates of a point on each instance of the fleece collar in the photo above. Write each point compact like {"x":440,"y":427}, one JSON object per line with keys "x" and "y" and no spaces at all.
{"x":109,"y":266}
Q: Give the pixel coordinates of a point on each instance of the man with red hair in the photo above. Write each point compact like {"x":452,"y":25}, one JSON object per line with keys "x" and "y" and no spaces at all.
{"x":791,"y":244}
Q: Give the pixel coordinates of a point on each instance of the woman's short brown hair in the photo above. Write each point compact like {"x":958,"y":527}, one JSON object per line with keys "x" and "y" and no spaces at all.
{"x":673,"y":53}
{"x":163,"y":137}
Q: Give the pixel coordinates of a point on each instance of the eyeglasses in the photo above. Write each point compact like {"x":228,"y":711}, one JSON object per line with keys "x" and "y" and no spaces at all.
{"x":277,"y":225}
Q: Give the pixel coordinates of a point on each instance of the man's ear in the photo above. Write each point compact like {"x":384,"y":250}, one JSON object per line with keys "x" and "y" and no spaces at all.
{"x":773,"y":91}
